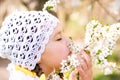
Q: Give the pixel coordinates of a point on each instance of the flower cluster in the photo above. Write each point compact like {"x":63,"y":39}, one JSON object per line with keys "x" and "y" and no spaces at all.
{"x":55,"y":75}
{"x":100,"y":40}
{"x":50,"y":5}
{"x":67,"y":67}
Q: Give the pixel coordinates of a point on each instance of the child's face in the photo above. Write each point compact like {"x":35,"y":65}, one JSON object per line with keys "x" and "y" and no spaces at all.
{"x":56,"y":50}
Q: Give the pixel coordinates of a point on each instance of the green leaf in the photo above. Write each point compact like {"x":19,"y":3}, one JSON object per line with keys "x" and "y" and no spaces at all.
{"x":99,"y":61}
{"x":49,"y":7}
{"x":107,"y":24}
{"x":99,"y":51}
{"x":70,"y":37}
{"x":94,"y":18}
{"x":95,"y":25}
{"x":57,"y":71}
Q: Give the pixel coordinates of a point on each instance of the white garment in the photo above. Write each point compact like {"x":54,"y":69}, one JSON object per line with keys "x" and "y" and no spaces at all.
{"x":18,"y":75}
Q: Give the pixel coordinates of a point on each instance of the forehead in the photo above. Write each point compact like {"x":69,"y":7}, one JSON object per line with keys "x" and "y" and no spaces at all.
{"x":58,"y":28}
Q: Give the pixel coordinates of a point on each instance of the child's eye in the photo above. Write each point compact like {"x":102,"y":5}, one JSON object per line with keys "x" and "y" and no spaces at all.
{"x":59,"y":39}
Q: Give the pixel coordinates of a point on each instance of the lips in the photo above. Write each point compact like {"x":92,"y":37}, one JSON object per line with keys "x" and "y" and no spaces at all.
{"x":70,"y":53}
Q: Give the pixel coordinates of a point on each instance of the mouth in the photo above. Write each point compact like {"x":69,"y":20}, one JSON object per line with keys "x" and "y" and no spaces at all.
{"x":70,"y":53}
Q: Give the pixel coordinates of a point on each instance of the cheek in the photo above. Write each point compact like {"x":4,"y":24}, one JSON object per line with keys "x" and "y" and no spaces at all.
{"x":55,"y":54}
{"x":62,"y":52}
{"x":59,"y":54}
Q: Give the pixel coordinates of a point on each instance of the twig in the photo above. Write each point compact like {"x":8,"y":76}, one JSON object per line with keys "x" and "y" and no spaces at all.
{"x":106,"y":10}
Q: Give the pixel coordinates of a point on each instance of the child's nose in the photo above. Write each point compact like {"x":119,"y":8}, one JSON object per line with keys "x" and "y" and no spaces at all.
{"x":68,"y":41}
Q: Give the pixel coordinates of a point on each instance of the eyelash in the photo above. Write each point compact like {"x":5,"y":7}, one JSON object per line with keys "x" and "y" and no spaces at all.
{"x":59,"y":39}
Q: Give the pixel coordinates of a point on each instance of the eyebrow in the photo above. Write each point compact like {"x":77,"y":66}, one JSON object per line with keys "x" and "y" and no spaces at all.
{"x":57,"y":33}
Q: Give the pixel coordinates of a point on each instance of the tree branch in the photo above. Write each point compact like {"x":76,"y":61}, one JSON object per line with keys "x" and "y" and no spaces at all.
{"x":106,"y":10}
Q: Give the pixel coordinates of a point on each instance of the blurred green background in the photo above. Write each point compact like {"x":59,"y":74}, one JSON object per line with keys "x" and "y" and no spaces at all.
{"x":74,"y":15}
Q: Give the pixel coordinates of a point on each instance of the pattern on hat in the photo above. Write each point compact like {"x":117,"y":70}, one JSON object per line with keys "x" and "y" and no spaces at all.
{"x":23,"y":36}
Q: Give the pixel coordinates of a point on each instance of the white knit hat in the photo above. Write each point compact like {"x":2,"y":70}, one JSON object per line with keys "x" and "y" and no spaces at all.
{"x":24,"y":35}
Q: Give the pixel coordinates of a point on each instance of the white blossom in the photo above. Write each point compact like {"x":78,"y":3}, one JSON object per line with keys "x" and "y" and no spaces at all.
{"x":71,"y":63}
{"x":53,"y":76}
{"x":51,"y":4}
{"x":100,"y":41}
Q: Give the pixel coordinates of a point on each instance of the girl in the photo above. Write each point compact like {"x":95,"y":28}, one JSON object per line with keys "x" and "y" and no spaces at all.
{"x":34,"y":43}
